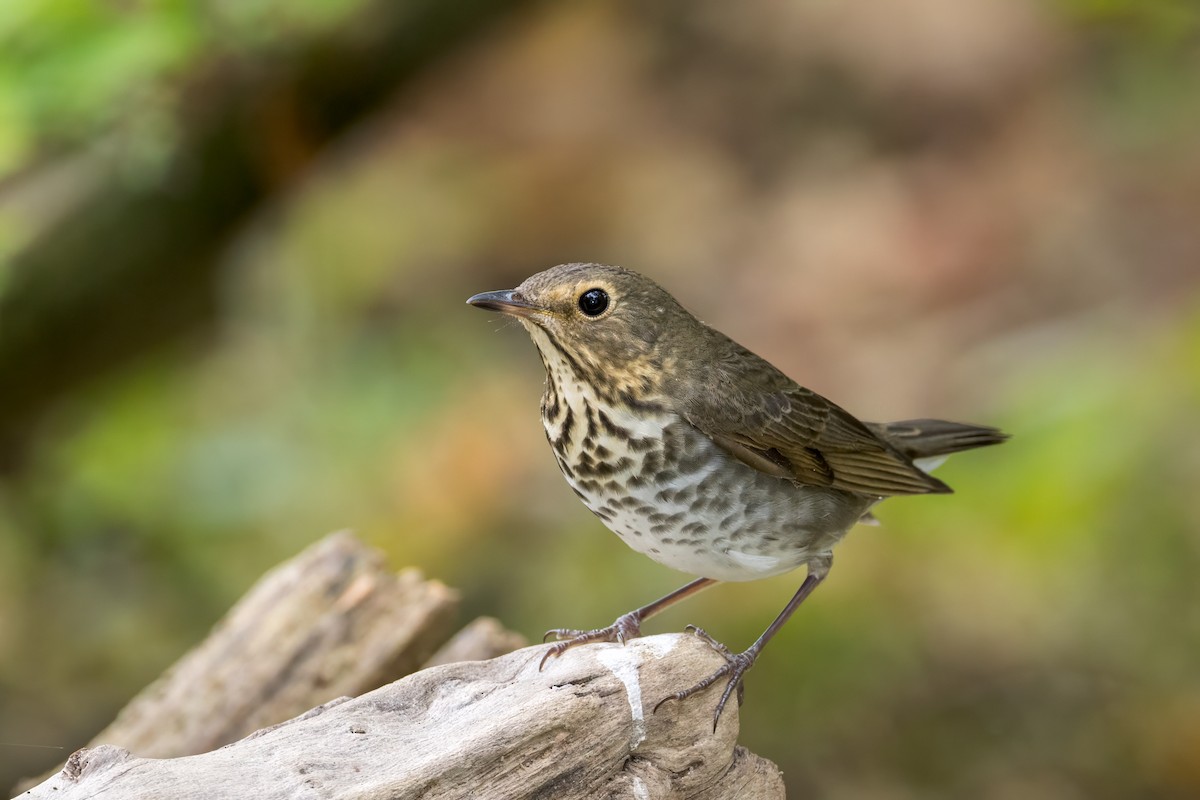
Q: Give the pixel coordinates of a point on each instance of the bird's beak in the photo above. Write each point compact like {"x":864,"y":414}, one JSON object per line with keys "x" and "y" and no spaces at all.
{"x":508,"y":301}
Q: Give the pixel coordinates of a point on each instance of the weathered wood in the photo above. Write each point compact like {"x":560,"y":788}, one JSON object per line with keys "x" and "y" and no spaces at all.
{"x":331,"y":621}
{"x":334,"y":621}
{"x":499,"y":729}
{"x":480,"y":640}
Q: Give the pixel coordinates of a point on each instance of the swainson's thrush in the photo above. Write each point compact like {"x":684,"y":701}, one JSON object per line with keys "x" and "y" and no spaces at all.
{"x":700,"y":454}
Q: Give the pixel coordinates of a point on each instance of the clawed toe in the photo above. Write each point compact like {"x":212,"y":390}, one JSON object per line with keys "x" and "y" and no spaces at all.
{"x":624,"y":628}
{"x":557,"y":650}
{"x":704,"y":635}
{"x":735,"y":667}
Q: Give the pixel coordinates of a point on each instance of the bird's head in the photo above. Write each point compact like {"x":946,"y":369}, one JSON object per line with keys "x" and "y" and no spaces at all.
{"x":610,"y":322}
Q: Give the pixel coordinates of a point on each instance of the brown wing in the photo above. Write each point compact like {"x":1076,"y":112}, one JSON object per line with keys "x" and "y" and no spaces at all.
{"x":768,"y":422}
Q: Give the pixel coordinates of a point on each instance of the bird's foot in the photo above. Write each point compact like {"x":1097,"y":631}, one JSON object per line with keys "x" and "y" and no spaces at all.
{"x":625,"y":627}
{"x":736,"y":665}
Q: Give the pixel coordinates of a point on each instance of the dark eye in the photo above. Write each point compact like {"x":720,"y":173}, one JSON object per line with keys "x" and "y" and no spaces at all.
{"x":593,"y":302}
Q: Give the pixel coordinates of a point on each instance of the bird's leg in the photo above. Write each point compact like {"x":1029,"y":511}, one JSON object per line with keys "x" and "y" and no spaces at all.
{"x":626,"y":626}
{"x":737,"y":664}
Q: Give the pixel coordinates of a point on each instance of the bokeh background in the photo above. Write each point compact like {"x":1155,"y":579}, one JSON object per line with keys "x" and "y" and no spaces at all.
{"x":235,"y":241}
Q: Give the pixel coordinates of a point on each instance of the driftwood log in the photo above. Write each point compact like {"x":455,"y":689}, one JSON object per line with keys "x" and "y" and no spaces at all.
{"x":581,"y":728}
{"x":334,"y":622}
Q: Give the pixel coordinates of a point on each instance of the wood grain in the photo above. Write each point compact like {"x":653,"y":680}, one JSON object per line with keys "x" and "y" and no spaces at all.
{"x":498,"y":729}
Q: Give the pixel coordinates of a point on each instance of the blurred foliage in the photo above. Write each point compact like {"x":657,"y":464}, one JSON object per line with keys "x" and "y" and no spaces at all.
{"x":1147,"y":66}
{"x":981,"y":209}
{"x":70,"y":69}
{"x":1163,"y":19}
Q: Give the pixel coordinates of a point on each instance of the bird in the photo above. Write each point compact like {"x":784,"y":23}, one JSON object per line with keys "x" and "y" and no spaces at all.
{"x":700,"y":454}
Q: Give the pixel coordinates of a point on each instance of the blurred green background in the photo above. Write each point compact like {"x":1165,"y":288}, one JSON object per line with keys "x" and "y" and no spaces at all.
{"x":235,"y":242}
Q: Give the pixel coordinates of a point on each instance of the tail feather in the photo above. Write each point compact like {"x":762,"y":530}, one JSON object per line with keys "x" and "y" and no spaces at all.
{"x":922,"y":438}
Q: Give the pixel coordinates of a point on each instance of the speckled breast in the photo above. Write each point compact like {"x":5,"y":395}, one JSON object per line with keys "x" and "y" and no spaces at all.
{"x":671,"y":493}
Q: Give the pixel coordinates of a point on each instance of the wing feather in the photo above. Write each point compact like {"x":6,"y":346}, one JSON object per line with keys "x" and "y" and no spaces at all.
{"x":767,"y":421}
